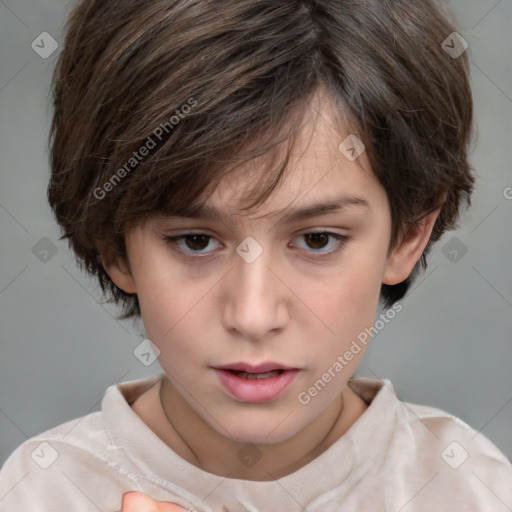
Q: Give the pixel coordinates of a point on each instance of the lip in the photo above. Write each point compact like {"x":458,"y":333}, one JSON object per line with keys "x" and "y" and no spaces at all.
{"x":255,"y":390}
{"x":255,"y":368}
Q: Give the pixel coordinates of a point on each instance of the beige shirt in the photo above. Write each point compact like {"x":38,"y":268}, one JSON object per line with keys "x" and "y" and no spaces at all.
{"x":396,"y":457}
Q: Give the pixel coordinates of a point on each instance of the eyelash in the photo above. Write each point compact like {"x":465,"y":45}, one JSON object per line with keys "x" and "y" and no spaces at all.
{"x":174,"y":241}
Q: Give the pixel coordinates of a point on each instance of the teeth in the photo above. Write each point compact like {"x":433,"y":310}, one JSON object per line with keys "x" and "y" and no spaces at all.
{"x":251,"y":376}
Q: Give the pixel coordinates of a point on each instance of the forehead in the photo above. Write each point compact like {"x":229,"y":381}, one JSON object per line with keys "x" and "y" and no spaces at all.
{"x":319,"y":180}
{"x":318,"y":171}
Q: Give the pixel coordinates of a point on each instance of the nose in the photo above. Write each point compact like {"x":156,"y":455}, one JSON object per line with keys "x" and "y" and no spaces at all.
{"x":256,"y":301}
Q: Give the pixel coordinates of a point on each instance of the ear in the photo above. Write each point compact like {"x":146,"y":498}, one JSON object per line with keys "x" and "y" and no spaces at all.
{"x":407,"y":252}
{"x":119,"y":271}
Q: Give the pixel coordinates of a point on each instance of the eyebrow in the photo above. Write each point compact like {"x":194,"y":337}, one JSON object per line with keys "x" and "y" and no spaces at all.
{"x":207,"y":212}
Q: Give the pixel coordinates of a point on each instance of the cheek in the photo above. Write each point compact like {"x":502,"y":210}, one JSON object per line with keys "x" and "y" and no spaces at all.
{"x":175,"y":309}
{"x":168,"y":326}
{"x":348,"y":299}
{"x":162,"y":296}
{"x":348,"y":309}
{"x":347,"y":302}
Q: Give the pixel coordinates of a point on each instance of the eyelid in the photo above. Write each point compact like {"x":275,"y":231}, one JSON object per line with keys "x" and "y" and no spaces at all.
{"x":174,"y":238}
{"x":342,"y":240}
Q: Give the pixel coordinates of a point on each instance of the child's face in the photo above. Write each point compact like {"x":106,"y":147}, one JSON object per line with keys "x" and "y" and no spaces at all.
{"x":301,"y":303}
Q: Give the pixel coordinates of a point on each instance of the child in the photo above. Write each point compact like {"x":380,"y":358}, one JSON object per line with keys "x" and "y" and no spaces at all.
{"x":252,"y":177}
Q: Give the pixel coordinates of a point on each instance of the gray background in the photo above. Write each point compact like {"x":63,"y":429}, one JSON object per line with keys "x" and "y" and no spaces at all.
{"x":61,"y":347}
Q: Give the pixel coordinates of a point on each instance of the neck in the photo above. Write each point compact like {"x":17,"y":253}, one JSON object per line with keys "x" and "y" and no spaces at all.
{"x":201,"y":445}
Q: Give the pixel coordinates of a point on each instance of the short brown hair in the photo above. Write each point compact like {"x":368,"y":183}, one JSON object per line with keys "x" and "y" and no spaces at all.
{"x":245,"y":70}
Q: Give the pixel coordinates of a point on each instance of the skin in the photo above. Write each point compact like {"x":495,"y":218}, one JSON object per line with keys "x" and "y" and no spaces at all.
{"x":138,"y":502}
{"x":301,"y":303}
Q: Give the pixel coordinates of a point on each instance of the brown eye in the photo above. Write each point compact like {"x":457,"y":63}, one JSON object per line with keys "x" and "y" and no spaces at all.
{"x":197,"y":242}
{"x":193,"y":244}
{"x":317,"y":240}
{"x":321,"y":243}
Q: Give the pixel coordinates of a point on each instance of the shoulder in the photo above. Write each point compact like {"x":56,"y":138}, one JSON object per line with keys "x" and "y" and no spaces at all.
{"x":50,"y":468}
{"x":68,"y":465}
{"x":86,"y":433}
{"x":417,"y":423}
{"x":461,"y":460}
{"x":429,"y":456}
{"x":441,"y":427}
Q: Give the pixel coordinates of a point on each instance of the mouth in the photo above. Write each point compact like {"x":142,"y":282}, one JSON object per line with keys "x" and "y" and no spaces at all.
{"x":251,"y":376}
{"x":261,"y":368}
{"x":255,"y":383}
